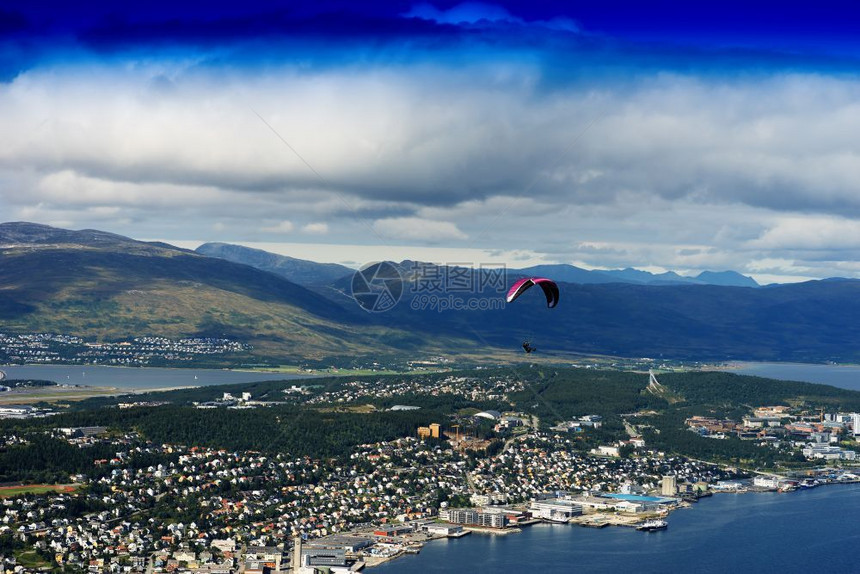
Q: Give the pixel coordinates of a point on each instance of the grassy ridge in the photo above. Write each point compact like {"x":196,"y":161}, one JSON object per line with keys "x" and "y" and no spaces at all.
{"x":108,"y":295}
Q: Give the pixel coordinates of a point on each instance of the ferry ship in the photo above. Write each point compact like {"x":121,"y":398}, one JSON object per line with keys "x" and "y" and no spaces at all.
{"x":652,"y":525}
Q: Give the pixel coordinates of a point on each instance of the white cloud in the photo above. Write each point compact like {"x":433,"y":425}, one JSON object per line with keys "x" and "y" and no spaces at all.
{"x":70,"y":188}
{"x":356,"y":255}
{"x":281,"y":227}
{"x":315,"y":228}
{"x":417,"y":229}
{"x":811,"y":233}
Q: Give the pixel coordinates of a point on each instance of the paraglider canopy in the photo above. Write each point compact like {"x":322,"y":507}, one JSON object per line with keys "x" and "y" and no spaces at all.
{"x":550,"y":289}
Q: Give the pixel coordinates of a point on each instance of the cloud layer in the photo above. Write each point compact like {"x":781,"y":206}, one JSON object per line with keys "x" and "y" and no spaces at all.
{"x":548,"y":145}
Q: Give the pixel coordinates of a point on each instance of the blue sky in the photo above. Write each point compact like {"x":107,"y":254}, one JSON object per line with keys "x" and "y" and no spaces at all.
{"x":658,"y":135}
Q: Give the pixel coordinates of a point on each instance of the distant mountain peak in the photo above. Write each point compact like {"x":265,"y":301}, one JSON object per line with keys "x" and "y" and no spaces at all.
{"x":36,"y":235}
{"x":25,"y":233}
{"x":726,"y":278}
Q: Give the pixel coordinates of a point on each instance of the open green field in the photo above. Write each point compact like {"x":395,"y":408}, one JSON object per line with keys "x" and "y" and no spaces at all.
{"x":11,"y":491}
{"x":30,"y":560}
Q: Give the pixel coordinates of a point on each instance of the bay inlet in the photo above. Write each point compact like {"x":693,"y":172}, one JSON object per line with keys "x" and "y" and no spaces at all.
{"x":803,"y":531}
{"x":842,"y":376}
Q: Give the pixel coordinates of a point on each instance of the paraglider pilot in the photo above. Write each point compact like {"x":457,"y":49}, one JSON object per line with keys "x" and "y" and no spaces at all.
{"x":550,"y":290}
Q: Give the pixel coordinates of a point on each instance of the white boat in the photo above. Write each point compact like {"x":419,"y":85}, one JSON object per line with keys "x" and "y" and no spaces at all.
{"x":652,"y":525}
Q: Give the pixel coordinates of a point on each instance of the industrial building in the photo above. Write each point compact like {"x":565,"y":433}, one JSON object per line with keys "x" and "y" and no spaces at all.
{"x":331,"y":551}
{"x":442,"y":529}
{"x":625,"y":502}
{"x":558,"y":510}
{"x":393,"y":531}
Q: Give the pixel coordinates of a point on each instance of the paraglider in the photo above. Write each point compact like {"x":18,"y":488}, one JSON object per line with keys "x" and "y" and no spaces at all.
{"x":550,"y":290}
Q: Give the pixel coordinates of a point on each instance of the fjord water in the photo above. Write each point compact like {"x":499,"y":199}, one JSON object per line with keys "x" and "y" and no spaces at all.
{"x":804,"y":531}
{"x":842,"y":376}
{"x":138,"y":377}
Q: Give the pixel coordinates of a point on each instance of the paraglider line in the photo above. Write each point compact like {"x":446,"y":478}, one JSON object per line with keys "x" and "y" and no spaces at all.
{"x":323,"y":180}
{"x":525,"y":381}
{"x":343,"y":200}
{"x":292,"y":149}
{"x":565,"y":152}
{"x":540,"y":397}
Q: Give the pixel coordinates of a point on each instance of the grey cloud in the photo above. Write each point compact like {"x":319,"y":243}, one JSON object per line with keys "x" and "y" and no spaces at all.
{"x":672,"y":171}
{"x":394,"y":140}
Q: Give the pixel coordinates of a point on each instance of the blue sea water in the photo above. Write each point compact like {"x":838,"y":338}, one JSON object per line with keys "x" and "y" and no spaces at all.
{"x":800,"y":532}
{"x":842,"y":376}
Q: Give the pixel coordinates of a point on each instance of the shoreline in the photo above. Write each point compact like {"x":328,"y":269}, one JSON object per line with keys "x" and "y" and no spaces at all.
{"x":608,"y":520}
{"x":73,"y":382}
{"x":706,"y":536}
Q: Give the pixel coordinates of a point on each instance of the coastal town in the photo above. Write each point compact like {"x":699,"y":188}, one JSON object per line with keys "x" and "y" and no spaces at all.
{"x":51,"y":348}
{"x":212,"y":510}
{"x":149,"y":507}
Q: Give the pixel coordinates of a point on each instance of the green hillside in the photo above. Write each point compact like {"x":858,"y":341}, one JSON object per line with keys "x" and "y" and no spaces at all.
{"x":106,"y":287}
{"x":111,"y":288}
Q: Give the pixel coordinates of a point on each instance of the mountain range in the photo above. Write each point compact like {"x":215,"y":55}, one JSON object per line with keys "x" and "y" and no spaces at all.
{"x":104,"y":286}
{"x":313,"y":274}
{"x":572,"y":274}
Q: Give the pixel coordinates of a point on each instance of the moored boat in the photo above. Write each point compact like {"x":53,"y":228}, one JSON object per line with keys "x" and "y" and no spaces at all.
{"x":652,"y":525}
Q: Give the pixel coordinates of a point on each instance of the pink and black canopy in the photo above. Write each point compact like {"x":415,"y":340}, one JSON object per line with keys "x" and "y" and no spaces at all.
{"x":550,"y":289}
